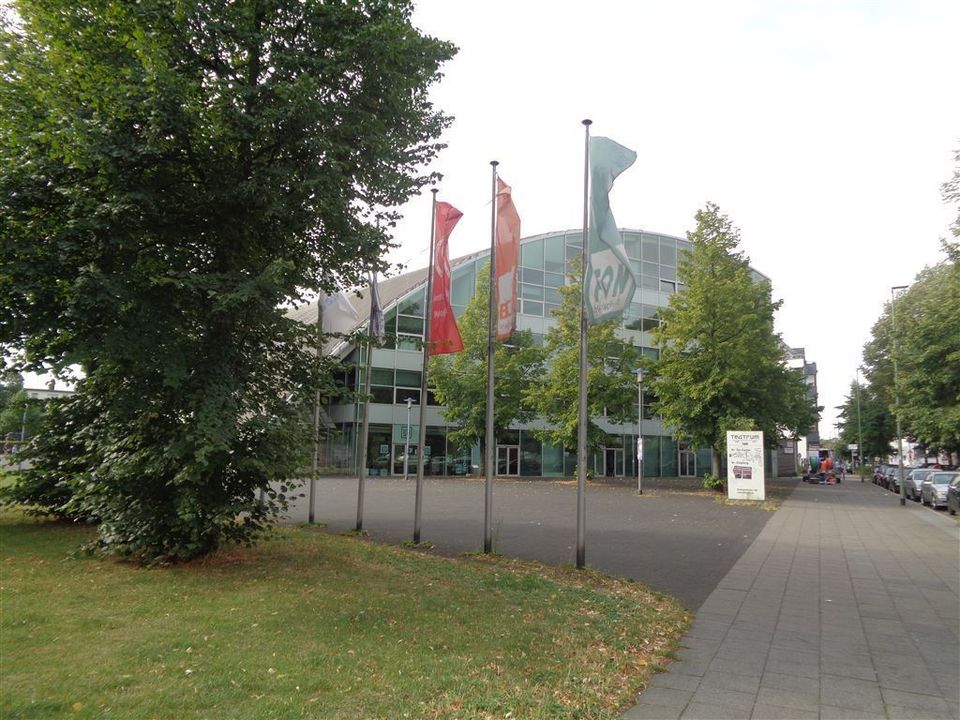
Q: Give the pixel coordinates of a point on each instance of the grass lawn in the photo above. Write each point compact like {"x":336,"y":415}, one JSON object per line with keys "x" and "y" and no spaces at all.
{"x":309,"y":624}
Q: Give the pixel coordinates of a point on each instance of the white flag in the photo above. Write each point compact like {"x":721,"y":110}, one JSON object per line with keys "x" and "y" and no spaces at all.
{"x":339,"y":315}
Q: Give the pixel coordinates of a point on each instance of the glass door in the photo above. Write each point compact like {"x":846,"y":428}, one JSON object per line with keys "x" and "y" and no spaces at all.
{"x":613,"y":462}
{"x":508,"y":459}
{"x":686,"y":460}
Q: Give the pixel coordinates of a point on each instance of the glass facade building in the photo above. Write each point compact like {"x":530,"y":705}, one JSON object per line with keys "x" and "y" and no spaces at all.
{"x":396,"y":372}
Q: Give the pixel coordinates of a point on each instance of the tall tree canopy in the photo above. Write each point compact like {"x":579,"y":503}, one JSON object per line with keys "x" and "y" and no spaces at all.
{"x":461,"y":378}
{"x":721,"y":364}
{"x":172,"y":173}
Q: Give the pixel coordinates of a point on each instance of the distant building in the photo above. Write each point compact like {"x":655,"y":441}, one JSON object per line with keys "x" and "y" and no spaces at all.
{"x":544,"y":261}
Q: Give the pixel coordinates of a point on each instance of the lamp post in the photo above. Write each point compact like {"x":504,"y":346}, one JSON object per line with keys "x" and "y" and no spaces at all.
{"x":859,"y":426}
{"x":896,"y":391}
{"x":406,"y":443}
{"x":640,"y":430}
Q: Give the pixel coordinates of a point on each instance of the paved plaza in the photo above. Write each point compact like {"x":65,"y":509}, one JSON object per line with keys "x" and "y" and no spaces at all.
{"x":845,"y":606}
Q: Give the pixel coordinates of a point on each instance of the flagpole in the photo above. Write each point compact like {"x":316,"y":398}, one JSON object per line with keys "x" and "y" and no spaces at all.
{"x":491,"y":443}
{"x":316,"y":415}
{"x":422,"y":427}
{"x":365,"y":432}
{"x":582,"y":415}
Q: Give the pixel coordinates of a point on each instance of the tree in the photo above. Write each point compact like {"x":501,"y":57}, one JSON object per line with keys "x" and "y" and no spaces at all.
{"x":18,"y":414}
{"x":611,"y":375}
{"x":461,"y":378}
{"x":924,"y":338}
{"x":721,"y":364}
{"x":172,"y":174}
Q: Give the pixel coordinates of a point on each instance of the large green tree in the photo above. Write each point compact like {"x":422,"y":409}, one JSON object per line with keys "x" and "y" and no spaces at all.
{"x":611,"y":375}
{"x":461,"y":378}
{"x":922,"y":334}
{"x":721,"y":363}
{"x":172,"y":174}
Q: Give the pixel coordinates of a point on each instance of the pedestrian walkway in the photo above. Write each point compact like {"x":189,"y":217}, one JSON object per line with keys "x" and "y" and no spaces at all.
{"x":846,"y":605}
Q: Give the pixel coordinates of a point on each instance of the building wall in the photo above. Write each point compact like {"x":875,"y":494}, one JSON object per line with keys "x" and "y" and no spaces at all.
{"x":544,"y":262}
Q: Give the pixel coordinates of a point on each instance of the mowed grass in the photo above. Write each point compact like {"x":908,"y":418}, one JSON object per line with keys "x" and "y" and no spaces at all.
{"x":314,"y":625}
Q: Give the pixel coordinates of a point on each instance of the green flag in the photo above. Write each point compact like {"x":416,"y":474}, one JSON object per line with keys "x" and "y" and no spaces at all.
{"x":609,"y":281}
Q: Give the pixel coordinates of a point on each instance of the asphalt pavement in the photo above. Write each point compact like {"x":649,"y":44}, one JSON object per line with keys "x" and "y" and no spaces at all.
{"x":671,"y":538}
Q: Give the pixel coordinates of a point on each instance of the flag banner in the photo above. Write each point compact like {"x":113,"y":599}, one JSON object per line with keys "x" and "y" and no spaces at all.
{"x":444,"y":333}
{"x":339,"y":315}
{"x":609,"y":283}
{"x":508,"y":257}
{"x":376,"y":310}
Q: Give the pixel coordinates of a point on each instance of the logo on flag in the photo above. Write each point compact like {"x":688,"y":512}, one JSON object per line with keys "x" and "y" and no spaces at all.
{"x":609,"y":282}
{"x":507,"y":252}
{"x":444,"y":333}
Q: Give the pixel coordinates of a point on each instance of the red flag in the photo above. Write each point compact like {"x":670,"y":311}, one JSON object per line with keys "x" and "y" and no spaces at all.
{"x":444,"y":333}
{"x":507,"y":251}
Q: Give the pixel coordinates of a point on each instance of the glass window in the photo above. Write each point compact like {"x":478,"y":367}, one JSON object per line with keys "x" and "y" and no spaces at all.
{"x":531,"y":254}
{"x":408,"y":378}
{"x":408,"y":342}
{"x":668,"y":251}
{"x":631,"y":245}
{"x":651,"y":269}
{"x":390,"y":321}
{"x":551,"y":460}
{"x":553,"y":254}
{"x":668,"y":273}
{"x":534,"y":292}
{"x":531,"y":276}
{"x":549,"y":309}
{"x":531,"y":307}
{"x":530,"y":454}
{"x":410,"y":325}
{"x":651,"y":248}
{"x":463,"y":285}
{"x":403,"y":393}
{"x":383,"y":395}
{"x":382,"y":376}
{"x":667,"y":286}
{"x":553,"y":279}
{"x":649,"y":283}
{"x":378,"y":450}
{"x":552,"y":296}
{"x":413,"y":305}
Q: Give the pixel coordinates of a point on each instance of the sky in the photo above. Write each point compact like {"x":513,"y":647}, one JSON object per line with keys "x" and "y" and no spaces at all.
{"x":823,"y":130}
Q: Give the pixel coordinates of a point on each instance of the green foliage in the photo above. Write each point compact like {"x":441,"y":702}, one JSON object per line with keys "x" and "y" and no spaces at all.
{"x":171,"y":176}
{"x":18,"y":413}
{"x":924,"y":340}
{"x":461,"y":378}
{"x":611,"y":375}
{"x":720,"y":360}
{"x":712,"y":482}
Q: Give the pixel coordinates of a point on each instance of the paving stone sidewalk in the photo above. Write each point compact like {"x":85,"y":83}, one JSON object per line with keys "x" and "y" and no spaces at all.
{"x":846,"y":605}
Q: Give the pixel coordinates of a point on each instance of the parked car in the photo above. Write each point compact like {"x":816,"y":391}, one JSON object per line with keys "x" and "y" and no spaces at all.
{"x":882,"y":475}
{"x":934,"y":489}
{"x":914,"y":481}
{"x":893,"y":478}
{"x":953,"y":496}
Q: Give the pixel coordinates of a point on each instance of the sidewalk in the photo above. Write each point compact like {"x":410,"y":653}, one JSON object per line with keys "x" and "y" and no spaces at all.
{"x":846,"y":605}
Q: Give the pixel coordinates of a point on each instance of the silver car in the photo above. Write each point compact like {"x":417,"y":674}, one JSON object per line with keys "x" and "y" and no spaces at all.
{"x":934,"y":489}
{"x":914,"y":481}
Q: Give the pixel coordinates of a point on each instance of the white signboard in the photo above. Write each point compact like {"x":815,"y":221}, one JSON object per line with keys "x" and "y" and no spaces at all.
{"x":745,"y":465}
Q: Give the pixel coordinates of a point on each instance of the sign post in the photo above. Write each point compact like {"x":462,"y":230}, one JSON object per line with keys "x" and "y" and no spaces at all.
{"x":745,"y":479}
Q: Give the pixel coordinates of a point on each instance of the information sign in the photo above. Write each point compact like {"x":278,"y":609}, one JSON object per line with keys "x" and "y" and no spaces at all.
{"x":745,"y":465}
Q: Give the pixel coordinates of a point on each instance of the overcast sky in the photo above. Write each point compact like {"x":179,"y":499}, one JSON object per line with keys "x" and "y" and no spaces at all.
{"x":824,"y":130}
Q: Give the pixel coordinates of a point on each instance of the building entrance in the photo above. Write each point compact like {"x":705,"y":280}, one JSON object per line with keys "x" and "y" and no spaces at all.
{"x":613,"y":462}
{"x":686,"y":460}
{"x":508,"y":459}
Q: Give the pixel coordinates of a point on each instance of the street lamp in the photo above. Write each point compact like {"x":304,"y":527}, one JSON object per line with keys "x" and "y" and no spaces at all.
{"x":896,"y":391}
{"x":640,"y":430}
{"x":859,"y":427}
